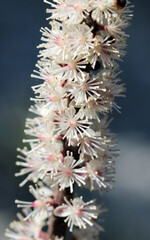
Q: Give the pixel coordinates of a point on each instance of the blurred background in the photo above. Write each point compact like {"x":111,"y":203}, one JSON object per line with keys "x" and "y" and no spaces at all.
{"x":129,"y":204}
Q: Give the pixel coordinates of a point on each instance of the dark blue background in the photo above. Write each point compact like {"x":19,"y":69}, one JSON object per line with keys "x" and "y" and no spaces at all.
{"x":129,"y":204}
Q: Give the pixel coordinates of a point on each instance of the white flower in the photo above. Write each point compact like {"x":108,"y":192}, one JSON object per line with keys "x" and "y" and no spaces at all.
{"x":102,"y":173}
{"x":38,"y":165}
{"x":25,"y":230}
{"x":42,"y":206}
{"x":115,"y":27}
{"x":71,"y":67}
{"x":78,"y":213}
{"x":71,"y":125}
{"x":92,"y":145}
{"x":54,"y":41}
{"x":82,"y":90}
{"x":29,"y":167}
{"x":102,"y":9}
{"x":52,"y":96}
{"x":45,"y":72}
{"x":70,"y":172}
{"x":51,"y":158}
{"x":79,"y":39}
{"x":42,"y":131}
{"x":92,"y":108}
{"x":106,"y":50}
{"x":94,"y":232}
{"x":41,"y":110}
{"x":110,"y":88}
{"x":70,"y":11}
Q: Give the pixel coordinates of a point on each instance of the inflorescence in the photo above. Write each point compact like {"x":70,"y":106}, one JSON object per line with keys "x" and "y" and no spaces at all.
{"x":70,"y":144}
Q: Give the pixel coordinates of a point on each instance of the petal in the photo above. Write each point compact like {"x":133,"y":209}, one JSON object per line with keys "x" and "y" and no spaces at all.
{"x":62,"y":211}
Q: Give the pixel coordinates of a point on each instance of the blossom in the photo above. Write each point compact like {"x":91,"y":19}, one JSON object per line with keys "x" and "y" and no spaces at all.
{"x":45,"y":72}
{"x":25,"y":230}
{"x":102,"y":9}
{"x":81,"y":90}
{"x":102,"y":173}
{"x":38,"y":165}
{"x":53,"y":96}
{"x":70,"y":172}
{"x":71,"y":125}
{"x":94,"y":232}
{"x":42,"y":206}
{"x":70,"y":11}
{"x":29,"y":167}
{"x":107,"y":51}
{"x":71,"y":67}
{"x":115,"y":27}
{"x":54,"y":41}
{"x":78,"y":213}
{"x":40,"y":129}
{"x":79,"y":39}
{"x":92,"y":108}
{"x":93,"y":144}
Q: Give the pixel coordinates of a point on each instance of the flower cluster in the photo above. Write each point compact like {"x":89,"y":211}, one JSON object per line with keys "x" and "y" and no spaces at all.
{"x":69,"y":142}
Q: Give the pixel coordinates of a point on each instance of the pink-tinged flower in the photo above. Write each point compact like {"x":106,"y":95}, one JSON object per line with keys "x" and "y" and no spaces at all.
{"x":45,"y":73}
{"x":52,"y":96}
{"x":78,"y":213}
{"x":81,"y":90}
{"x":37,"y":165}
{"x":25,"y":230}
{"x":72,"y":67}
{"x":70,"y":124}
{"x":92,"y":109}
{"x":111,"y":88}
{"x":92,"y":145}
{"x":54,"y":41}
{"x":29,"y":167}
{"x":107,"y":51}
{"x":42,"y":206}
{"x":42,"y":131}
{"x":69,"y":172}
{"x":94,"y":232}
{"x":101,"y":173}
{"x":79,"y":39}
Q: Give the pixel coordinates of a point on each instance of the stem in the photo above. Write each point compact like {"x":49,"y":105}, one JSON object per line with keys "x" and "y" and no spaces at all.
{"x":57,"y":226}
